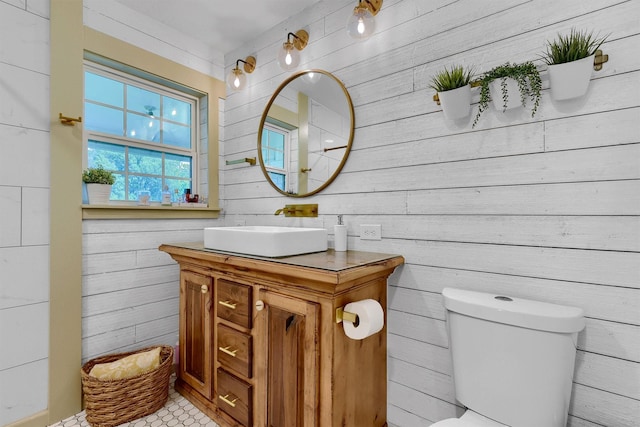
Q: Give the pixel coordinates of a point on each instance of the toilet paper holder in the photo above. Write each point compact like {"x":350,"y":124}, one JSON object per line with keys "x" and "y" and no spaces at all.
{"x":347,"y":316}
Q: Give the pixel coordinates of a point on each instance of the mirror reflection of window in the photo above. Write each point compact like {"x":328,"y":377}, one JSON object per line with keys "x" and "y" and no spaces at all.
{"x":275,"y":144}
{"x":314,"y":108}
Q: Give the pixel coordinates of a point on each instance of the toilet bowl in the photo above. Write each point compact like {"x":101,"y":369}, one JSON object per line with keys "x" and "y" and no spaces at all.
{"x":469,"y":419}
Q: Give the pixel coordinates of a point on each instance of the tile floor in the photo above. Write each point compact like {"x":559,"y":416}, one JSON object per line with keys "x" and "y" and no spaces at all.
{"x":177,"y":412}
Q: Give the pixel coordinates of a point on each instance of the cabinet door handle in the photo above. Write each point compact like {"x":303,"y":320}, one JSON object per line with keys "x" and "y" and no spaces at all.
{"x":227,"y":350}
{"x":229,"y":402}
{"x":204,"y":289}
{"x":228,"y":304}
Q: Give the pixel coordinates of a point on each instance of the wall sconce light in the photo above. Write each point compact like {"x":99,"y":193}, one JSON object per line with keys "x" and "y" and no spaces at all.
{"x":288,"y":55}
{"x":361,"y":24}
{"x":236,"y":79}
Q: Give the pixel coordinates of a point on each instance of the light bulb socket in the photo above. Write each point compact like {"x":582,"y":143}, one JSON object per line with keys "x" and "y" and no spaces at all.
{"x":373,"y":6}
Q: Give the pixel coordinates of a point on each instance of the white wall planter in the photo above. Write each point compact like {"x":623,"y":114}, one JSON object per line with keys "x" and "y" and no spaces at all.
{"x":98,"y":194}
{"x":571,"y":79}
{"x":513,"y":91}
{"x":456,"y":103}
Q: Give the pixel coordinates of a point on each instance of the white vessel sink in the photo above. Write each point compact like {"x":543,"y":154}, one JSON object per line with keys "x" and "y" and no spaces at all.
{"x":265,"y":240}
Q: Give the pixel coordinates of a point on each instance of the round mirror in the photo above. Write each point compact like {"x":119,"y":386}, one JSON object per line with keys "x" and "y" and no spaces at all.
{"x":305,"y":133}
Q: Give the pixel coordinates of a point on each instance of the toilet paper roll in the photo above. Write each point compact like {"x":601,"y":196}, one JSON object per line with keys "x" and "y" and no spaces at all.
{"x":370,"y":319}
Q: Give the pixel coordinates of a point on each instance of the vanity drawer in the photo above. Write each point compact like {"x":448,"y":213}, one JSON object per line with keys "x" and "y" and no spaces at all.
{"x":235,"y":350}
{"x":235,"y":398}
{"x":234,"y":303}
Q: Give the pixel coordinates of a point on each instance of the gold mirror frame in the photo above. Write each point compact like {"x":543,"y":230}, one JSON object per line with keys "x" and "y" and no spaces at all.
{"x":349,"y":143}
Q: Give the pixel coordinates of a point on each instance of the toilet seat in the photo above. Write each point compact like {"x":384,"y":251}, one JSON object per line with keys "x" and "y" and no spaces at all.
{"x":469,"y":419}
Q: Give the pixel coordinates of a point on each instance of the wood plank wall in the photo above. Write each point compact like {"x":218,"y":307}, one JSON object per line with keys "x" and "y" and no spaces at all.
{"x":545,"y":208}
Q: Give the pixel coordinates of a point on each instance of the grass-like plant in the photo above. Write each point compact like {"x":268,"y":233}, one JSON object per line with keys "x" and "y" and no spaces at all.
{"x":98,"y":175}
{"x":453,"y":78}
{"x":529,"y":85}
{"x":576,"y":45}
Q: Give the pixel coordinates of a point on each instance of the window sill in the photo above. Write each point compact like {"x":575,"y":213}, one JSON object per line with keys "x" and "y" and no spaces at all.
{"x":146,"y":212}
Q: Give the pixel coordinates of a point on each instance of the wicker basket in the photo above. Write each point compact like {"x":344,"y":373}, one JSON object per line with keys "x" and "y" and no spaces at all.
{"x":113,"y":402}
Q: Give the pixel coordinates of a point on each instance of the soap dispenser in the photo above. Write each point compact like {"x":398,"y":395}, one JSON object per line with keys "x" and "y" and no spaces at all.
{"x":340,"y":233}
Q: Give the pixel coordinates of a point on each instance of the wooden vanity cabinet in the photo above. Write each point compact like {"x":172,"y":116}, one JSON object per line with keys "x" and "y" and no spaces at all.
{"x":259,"y":342}
{"x":196,"y":332}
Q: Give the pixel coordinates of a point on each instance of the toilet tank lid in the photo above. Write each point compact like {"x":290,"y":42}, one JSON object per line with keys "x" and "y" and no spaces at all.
{"x":514,"y":311}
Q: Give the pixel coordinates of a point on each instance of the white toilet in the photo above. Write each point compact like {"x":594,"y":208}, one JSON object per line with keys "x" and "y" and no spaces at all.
{"x":513,"y":359}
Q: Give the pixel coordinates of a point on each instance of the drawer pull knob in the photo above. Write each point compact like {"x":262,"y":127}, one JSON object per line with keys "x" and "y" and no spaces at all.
{"x":229,"y":402}
{"x":228,"y":304}
{"x":259,"y":305}
{"x":227,"y":350}
{"x":204,"y":289}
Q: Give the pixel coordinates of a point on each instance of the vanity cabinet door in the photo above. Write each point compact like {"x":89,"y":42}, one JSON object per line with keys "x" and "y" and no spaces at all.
{"x":289,"y":330}
{"x":196,"y":331}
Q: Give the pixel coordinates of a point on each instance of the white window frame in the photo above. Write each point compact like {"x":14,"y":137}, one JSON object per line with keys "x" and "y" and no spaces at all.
{"x":128,"y":78}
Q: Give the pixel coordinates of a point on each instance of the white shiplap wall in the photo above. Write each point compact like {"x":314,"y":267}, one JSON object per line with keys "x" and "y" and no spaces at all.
{"x":545,"y":208}
{"x":24,"y":208}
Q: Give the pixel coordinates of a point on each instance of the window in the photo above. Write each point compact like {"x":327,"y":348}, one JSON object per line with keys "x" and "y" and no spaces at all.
{"x":145,"y":133}
{"x":274,"y":154}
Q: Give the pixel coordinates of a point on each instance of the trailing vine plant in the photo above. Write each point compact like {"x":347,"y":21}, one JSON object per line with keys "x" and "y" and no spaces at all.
{"x":529,"y":85}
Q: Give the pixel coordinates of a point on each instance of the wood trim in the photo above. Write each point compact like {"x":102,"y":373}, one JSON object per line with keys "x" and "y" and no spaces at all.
{"x":37,"y":420}
{"x":152,"y":212}
{"x":65,"y":268}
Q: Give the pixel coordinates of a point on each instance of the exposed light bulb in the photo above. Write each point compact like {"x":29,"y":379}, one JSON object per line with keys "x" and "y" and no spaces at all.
{"x":361,"y":24}
{"x":236,"y":79}
{"x":288,"y":56}
{"x":174,"y":112}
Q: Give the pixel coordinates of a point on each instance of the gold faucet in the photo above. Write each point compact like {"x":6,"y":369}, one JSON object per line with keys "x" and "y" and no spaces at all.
{"x":310,"y":210}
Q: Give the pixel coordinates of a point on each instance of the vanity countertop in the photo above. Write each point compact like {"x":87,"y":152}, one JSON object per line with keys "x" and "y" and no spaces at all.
{"x":324,"y":268}
{"x":328,"y":260}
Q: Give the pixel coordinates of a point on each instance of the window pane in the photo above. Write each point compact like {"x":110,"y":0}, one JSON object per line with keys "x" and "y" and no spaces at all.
{"x":276,"y":141}
{"x":178,"y":166}
{"x":176,"y":110}
{"x":143,"y":127}
{"x":140,"y":183}
{"x":177,"y":184}
{"x":103,"y":119}
{"x":145,"y":161}
{"x":109,"y":156}
{"x":118,"y":189}
{"x":143,"y":101}
{"x":277,"y":179}
{"x":103,"y":90}
{"x":177,"y":135}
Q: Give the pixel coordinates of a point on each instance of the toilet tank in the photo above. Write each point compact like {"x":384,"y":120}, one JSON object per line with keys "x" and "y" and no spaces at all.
{"x":513,"y":358}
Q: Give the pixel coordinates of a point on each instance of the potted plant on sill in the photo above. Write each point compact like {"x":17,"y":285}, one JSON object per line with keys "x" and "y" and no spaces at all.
{"x":454,"y":91}
{"x":570,"y":62}
{"x":501,"y":83}
{"x":99,"y":182}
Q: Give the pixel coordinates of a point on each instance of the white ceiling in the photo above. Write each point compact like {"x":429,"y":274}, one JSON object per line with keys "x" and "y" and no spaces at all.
{"x":222,"y":24}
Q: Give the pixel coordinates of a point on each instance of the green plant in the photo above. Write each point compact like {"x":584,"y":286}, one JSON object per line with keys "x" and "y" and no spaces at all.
{"x":453,"y":78}
{"x":98,"y":175}
{"x":529,"y":85}
{"x":576,"y":45}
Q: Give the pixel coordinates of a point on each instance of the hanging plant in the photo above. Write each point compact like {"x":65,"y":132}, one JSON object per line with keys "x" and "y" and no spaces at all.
{"x":577,"y":45}
{"x":570,"y":63}
{"x":454,"y":91}
{"x":527,"y":80}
